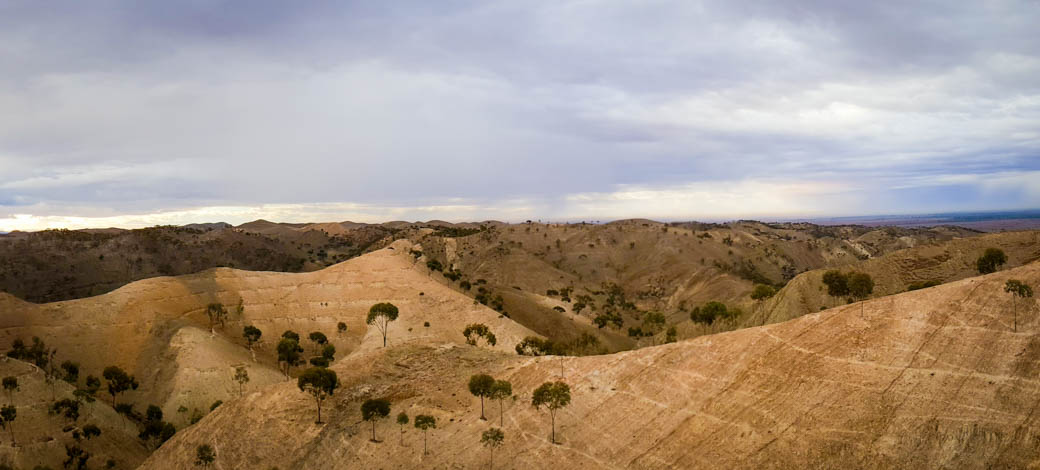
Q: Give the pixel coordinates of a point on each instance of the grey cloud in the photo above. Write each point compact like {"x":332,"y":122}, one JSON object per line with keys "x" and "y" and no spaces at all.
{"x":218,"y":102}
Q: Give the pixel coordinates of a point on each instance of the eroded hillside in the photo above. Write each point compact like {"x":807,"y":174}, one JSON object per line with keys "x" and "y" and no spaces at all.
{"x":933,"y":378}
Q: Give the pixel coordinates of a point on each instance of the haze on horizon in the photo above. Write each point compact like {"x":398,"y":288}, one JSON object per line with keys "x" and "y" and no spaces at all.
{"x":130,"y":114}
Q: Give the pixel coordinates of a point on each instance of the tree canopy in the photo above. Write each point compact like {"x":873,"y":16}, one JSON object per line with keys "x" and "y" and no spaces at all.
{"x":480,"y":385}
{"x":320,"y":383}
{"x":381,"y":315}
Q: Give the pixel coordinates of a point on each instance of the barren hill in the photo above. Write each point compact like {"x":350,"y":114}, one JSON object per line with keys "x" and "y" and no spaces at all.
{"x":158,"y":330}
{"x":933,"y":378}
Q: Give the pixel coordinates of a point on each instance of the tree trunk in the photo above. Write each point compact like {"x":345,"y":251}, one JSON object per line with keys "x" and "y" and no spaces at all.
{"x":501,"y":414}
{"x":552,"y":415}
{"x":482,"y":408}
{"x":1014,"y":308}
{"x":374,"y":431}
{"x":424,"y":451}
{"x":492,"y":457}
{"x":319,"y":411}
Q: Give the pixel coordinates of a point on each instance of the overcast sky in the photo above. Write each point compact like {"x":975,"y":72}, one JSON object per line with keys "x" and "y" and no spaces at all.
{"x":138,"y":113}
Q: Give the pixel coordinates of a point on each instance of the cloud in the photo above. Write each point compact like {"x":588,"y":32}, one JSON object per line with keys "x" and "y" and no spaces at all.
{"x":159,"y":108}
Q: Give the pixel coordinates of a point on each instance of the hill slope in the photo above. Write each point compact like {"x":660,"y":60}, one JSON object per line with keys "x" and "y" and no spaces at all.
{"x":933,"y":378}
{"x":157,"y":329}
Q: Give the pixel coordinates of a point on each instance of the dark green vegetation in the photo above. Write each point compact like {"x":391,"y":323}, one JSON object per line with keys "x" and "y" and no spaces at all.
{"x":991,"y":261}
{"x":65,"y":264}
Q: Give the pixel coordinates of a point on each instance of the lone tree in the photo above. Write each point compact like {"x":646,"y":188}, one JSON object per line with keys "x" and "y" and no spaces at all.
{"x":475,"y":331}
{"x":7,"y":416}
{"x":553,"y":396}
{"x":204,"y":455}
{"x":242,"y":377}
{"x":501,"y":390}
{"x":252,"y":335}
{"x":320,"y":382}
{"x":402,"y":420}
{"x":341,"y":327}
{"x":1017,"y":289}
{"x":374,"y":410}
{"x":381,"y":315}
{"x":762,"y":292}
{"x":480,"y":385}
{"x":425,"y":422}
{"x":118,"y":381}
{"x":861,"y":285}
{"x":991,"y":260}
{"x":216,"y":313}
{"x":288,"y":354}
{"x":491,"y":439}
{"x":837,"y":283}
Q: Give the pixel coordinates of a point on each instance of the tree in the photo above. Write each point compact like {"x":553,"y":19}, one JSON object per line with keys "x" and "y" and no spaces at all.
{"x":425,"y":422}
{"x":66,"y":407}
{"x":341,"y":327}
{"x":553,"y":396}
{"x":374,"y":410}
{"x":328,"y":352}
{"x":10,"y":386}
{"x":474,"y":331}
{"x":71,"y":372}
{"x":318,"y":338}
{"x":242,"y":377}
{"x":709,"y":312}
{"x":216,"y":313}
{"x":91,"y":431}
{"x":836,"y":282}
{"x":204,"y":455}
{"x":93,"y":384}
{"x":860,"y":285}
{"x":118,"y":381}
{"x":7,"y":416}
{"x":320,"y":382}
{"x":402,"y":420}
{"x":491,"y":439}
{"x":381,"y":315}
{"x":290,"y":334}
{"x":252,"y":335}
{"x":480,"y":385}
{"x":1017,"y":289}
{"x":501,"y":390}
{"x":991,"y":261}
{"x":762,"y":292}
{"x":288,"y":354}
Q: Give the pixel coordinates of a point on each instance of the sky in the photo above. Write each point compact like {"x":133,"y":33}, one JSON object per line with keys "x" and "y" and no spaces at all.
{"x":137,"y":113}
